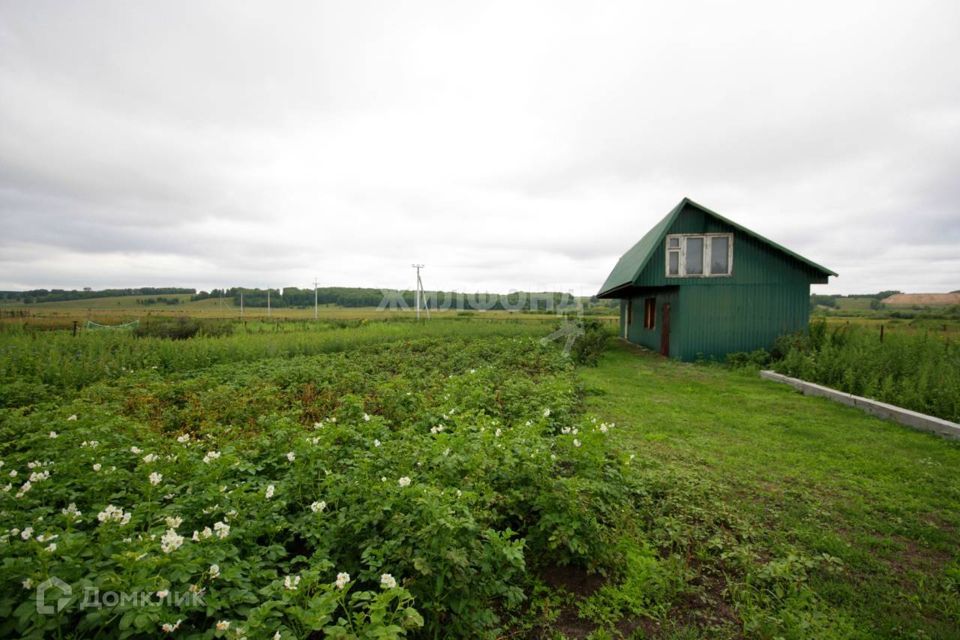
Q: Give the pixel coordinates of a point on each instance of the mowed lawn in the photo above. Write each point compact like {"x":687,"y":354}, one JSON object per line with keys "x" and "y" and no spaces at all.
{"x":794,"y":516}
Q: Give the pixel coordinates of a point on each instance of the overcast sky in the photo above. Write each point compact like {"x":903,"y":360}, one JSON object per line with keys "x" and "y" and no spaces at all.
{"x":505,"y":145}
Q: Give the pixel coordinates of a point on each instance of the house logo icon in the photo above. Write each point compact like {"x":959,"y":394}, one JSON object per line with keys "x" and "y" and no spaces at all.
{"x":53,"y":585}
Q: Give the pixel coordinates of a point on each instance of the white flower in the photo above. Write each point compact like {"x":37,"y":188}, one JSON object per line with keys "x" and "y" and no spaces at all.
{"x":37,"y":476}
{"x":576,"y":442}
{"x":342,"y":580}
{"x":290,"y":583}
{"x":73,"y":417}
{"x":13,"y":473}
{"x":170,"y":541}
{"x":170,"y":628}
{"x":184,"y":438}
{"x":27,"y":584}
{"x":53,"y":434}
{"x":366,"y":417}
{"x":270,"y":490}
{"x":71,"y":511}
{"x":150,"y":457}
{"x":223,"y":625}
{"x":291,"y":456}
{"x":113,"y":514}
{"x":498,"y":433}
{"x":174,"y":522}
{"x":214,"y":571}
{"x":97,"y":466}
{"x":318,"y":506}
{"x":604,"y":428}
{"x":211,"y":455}
{"x":7,"y":487}
{"x":136,"y":450}
{"x":24,"y":488}
{"x":163,"y":593}
{"x":404,"y":481}
{"x":26,"y":533}
{"x":276,"y":636}
{"x":51,"y":547}
{"x":156,"y":478}
{"x":222,"y":529}
{"x":546,"y":413}
{"x":387,"y":581}
{"x":376,"y":443}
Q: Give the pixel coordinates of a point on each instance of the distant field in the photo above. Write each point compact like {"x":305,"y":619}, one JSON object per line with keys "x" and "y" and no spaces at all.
{"x":923,"y":299}
{"x":121,"y":309}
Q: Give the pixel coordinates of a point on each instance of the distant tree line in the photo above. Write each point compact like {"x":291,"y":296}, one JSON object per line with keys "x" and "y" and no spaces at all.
{"x":62,"y":295}
{"x":365,"y":297}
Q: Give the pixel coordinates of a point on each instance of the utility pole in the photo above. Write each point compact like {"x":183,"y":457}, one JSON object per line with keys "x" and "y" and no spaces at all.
{"x":241,"y":304}
{"x":420,"y":295}
{"x":315,"y":311}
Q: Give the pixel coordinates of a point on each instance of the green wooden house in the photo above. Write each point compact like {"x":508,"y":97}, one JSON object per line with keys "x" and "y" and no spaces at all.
{"x":698,"y":285}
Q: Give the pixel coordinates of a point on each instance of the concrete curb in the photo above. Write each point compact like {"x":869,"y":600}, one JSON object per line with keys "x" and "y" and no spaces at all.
{"x":883,"y":410}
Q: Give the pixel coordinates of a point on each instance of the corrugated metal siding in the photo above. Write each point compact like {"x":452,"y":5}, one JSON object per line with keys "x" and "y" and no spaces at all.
{"x":650,"y":338}
{"x":711,"y":321}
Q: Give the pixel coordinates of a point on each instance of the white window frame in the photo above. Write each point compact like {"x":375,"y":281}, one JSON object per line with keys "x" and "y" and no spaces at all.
{"x":707,"y":248}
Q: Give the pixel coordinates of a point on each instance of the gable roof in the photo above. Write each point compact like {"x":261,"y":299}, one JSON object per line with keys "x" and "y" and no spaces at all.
{"x":630,"y":264}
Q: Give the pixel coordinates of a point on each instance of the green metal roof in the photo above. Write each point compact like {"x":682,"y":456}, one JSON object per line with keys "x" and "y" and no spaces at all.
{"x":632,"y":263}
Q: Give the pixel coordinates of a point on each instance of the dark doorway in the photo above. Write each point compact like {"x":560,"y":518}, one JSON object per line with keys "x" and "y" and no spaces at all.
{"x":665,"y":331}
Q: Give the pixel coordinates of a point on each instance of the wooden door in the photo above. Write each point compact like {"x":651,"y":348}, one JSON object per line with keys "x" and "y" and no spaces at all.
{"x":665,"y":331}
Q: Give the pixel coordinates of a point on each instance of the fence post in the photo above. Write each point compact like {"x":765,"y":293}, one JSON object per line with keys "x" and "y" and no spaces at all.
{"x":881,"y":333}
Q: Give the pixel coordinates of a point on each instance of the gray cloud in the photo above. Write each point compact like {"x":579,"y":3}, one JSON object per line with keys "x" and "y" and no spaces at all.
{"x":506,"y":145}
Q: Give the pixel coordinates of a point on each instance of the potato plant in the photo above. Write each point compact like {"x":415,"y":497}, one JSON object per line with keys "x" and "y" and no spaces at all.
{"x":408,"y":488}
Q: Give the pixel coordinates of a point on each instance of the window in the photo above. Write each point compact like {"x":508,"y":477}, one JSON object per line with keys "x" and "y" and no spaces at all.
{"x":649,"y":312}
{"x":699,"y":255}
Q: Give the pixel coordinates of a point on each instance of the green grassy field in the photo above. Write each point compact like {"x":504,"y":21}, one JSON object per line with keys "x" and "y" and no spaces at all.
{"x":641,"y":498}
{"x":794,"y":516}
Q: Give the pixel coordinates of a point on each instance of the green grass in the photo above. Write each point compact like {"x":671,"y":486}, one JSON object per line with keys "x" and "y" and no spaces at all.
{"x":759,"y":482}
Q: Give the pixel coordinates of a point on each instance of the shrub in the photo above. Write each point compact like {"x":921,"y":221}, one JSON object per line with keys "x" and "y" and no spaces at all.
{"x":588,"y":347}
